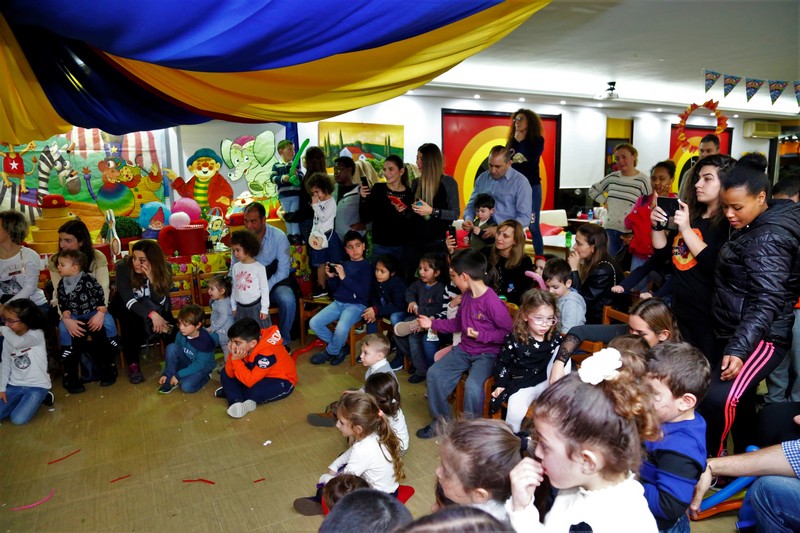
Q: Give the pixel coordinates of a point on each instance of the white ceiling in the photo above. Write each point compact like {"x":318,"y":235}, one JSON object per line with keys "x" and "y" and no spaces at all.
{"x":655,"y":50}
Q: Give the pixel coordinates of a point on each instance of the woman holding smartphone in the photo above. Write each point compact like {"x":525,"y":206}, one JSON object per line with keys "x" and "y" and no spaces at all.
{"x":387,"y":206}
{"x":701,"y":231}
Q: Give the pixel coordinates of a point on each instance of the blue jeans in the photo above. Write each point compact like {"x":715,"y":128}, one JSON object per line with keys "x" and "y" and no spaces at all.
{"x":346,"y":314}
{"x":681,"y":526}
{"x":536,"y":232}
{"x":175,"y":361}
{"x":21,"y":403}
{"x":394,"y":318}
{"x":614,"y":241}
{"x":445,"y":374}
{"x":422,"y":351}
{"x":290,"y":204}
{"x":282,"y":296}
{"x":778,"y":388}
{"x":379,"y":250}
{"x":109,"y":326}
{"x":776,"y":503}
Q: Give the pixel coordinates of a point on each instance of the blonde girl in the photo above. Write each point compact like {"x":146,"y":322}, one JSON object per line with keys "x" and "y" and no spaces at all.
{"x":521,"y":368}
{"x":589,"y":428}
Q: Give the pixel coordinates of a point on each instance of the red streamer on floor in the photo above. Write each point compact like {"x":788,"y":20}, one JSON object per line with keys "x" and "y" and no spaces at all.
{"x":260,"y":480}
{"x":120,"y":478}
{"x":66,"y":456}
{"x":199,"y":480}
{"x":34,"y":504}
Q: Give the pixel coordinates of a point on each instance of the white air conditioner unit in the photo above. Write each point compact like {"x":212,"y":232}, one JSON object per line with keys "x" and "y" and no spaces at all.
{"x":757,"y":129}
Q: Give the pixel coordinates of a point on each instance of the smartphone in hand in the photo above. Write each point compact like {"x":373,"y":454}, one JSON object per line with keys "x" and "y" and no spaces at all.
{"x":364,"y":182}
{"x":669,"y":206}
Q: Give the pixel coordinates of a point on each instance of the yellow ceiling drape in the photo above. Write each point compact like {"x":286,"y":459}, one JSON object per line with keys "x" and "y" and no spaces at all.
{"x":26,"y":113}
{"x":337,"y":84}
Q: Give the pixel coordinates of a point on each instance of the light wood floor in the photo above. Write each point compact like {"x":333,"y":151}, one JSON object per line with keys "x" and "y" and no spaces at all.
{"x":160,"y":441}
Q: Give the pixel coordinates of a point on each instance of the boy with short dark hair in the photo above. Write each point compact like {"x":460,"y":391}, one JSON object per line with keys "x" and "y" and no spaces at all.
{"x":484,"y":321}
{"x":288,"y":185}
{"x":557,"y":275}
{"x":374,"y":349}
{"x":484,"y":218}
{"x":190,"y":359}
{"x":349,"y":283}
{"x":679,"y":375}
{"x":259,"y":368}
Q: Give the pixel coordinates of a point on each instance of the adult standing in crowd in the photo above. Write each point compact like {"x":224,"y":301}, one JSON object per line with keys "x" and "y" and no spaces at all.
{"x":709,"y":145}
{"x":304,"y":216}
{"x":509,"y":259}
{"x":526,"y":144}
{"x":509,"y":189}
{"x":345,"y":193}
{"x":141,"y":303}
{"x":623,"y":188}
{"x":19,"y":265}
{"x":435,"y":208}
{"x":701,"y":231}
{"x":388,"y":207}
{"x":274,"y":255}
{"x":756,"y":286}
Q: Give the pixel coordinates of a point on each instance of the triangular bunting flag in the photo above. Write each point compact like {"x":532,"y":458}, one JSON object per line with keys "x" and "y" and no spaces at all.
{"x":711,"y":78}
{"x":797,"y":91}
{"x":776,"y":89}
{"x":731,"y":82}
{"x":753,"y":85}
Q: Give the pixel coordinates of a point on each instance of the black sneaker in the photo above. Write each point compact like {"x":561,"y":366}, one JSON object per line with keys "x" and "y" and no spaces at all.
{"x":426,"y":433}
{"x":49,"y":398}
{"x":220,"y":393}
{"x":416,"y":378}
{"x":166,"y":388}
{"x":343,"y":354}
{"x":398,"y":362}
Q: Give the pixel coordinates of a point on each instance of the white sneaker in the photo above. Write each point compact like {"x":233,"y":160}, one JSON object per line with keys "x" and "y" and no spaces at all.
{"x":239,"y":409}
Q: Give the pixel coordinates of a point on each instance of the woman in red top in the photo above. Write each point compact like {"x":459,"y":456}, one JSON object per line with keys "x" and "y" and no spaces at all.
{"x":638,"y":220}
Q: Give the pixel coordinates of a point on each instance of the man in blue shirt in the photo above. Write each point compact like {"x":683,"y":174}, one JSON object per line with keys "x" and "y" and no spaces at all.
{"x":509,"y":188}
{"x":274,"y":255}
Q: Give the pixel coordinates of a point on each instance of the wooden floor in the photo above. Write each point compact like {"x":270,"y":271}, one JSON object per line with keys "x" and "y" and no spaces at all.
{"x":137,"y":448}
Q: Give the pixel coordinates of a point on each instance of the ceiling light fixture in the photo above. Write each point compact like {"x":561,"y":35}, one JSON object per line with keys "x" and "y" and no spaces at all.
{"x":735,"y":116}
{"x":410,"y":93}
{"x":563,"y":102}
{"x":476,"y":96}
{"x":599,"y":105}
{"x":521,"y":99}
{"x":609,"y":94}
{"x":659,"y":110}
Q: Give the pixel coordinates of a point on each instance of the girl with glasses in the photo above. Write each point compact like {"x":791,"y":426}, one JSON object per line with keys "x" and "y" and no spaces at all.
{"x":520,"y":371}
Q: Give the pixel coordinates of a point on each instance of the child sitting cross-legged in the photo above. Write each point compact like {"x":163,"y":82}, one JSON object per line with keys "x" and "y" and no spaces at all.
{"x":339,"y":487}
{"x":259,"y":368}
{"x":679,"y":375}
{"x":386,"y":391}
{"x":484,"y":320}
{"x":374,"y":455}
{"x":374,"y":349}
{"x":190,"y":359}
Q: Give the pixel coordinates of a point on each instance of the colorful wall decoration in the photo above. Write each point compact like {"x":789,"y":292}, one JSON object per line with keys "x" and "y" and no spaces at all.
{"x":468,"y":136}
{"x":685,"y":158}
{"x":370,"y":142}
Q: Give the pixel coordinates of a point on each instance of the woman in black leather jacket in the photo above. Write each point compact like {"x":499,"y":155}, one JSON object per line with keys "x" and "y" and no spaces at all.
{"x":594,"y":272}
{"x":757,"y":285}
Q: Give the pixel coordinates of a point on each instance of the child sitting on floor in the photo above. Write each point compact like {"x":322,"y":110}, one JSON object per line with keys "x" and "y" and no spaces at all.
{"x":386,"y":391}
{"x":190,"y":359}
{"x":219,"y":292}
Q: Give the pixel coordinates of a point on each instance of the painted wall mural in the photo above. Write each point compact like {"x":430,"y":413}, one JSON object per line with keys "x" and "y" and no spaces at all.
{"x":361,"y":141}
{"x":468,"y":136}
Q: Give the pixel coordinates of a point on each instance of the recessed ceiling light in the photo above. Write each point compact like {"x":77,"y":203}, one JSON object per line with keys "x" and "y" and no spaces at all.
{"x":659,"y":110}
{"x":712,"y":114}
{"x":521,"y":99}
{"x":476,"y":96}
{"x":735,"y":116}
{"x":410,"y":93}
{"x":563,"y":102}
{"x":599,"y":105}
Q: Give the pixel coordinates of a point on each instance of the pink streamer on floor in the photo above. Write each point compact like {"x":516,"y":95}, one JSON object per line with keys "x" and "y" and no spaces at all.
{"x":35,"y":504}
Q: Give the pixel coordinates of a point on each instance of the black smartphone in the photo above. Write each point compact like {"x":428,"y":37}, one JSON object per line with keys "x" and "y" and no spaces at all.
{"x":364,"y":182}
{"x":668,"y":205}
{"x":452,"y":232}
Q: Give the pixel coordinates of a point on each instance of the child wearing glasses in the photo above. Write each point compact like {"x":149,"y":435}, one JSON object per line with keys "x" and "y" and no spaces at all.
{"x":520,"y":371}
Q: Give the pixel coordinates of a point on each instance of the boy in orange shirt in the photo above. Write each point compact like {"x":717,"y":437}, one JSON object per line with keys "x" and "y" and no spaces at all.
{"x":259,"y":368}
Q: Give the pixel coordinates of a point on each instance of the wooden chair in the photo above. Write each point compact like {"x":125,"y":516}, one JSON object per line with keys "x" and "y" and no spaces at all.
{"x":311,"y":306}
{"x":609,"y":314}
{"x":182,"y":292}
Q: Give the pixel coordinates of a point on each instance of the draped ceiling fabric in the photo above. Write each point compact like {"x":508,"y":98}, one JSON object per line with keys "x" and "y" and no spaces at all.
{"x":149,"y":64}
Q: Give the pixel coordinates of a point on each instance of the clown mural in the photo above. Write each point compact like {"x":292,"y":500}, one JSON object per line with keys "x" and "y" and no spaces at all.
{"x":207,"y":186}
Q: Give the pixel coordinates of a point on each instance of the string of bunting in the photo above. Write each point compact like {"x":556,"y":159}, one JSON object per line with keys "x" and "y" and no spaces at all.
{"x":752,"y":85}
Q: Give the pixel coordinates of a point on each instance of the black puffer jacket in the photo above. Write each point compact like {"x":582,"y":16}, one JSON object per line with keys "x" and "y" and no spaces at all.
{"x":758,"y":281}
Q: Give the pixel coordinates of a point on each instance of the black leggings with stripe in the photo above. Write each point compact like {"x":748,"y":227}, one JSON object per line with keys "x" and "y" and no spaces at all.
{"x":735,"y":400}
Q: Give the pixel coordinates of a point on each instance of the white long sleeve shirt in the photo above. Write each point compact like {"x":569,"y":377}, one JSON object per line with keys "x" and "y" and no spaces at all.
{"x":24,"y":361}
{"x":370,"y":460}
